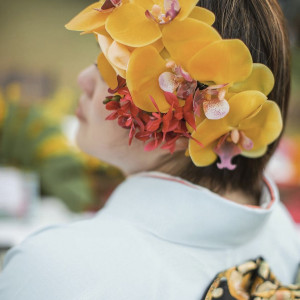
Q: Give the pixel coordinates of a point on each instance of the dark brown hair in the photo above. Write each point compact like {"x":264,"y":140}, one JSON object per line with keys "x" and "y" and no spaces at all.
{"x":261,"y":26}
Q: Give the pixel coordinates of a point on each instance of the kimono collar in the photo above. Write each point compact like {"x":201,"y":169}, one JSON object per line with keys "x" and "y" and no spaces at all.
{"x":181,"y":212}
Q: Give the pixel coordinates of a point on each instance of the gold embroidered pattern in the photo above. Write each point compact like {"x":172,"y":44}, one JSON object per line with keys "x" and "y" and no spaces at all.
{"x":252,"y":280}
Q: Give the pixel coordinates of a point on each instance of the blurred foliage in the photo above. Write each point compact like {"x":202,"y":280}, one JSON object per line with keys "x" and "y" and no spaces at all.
{"x":33,"y":39}
{"x":31,"y":138}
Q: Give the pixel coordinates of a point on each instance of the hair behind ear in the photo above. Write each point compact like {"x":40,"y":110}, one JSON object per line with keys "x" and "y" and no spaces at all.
{"x":261,"y":26}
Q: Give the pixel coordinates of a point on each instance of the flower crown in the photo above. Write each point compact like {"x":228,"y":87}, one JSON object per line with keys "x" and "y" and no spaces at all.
{"x":172,"y":75}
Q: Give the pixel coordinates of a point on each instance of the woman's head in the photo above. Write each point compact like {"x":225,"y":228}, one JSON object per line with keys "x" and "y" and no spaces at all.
{"x":260,"y":25}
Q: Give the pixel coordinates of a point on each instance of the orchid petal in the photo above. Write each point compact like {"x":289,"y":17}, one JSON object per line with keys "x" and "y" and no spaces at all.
{"x":184,"y":39}
{"x":107,"y":72}
{"x":203,"y":14}
{"x":128,"y":25}
{"x":121,"y":84}
{"x":225,"y":61}
{"x":105,"y":43}
{"x":158,"y":45}
{"x":201,"y":156}
{"x":209,"y":131}
{"x":215,"y":109}
{"x":186,"y":7}
{"x":89,"y":19}
{"x":255,"y":153}
{"x":243,"y":105}
{"x":118,"y":55}
{"x":144,"y":68}
{"x":265,"y":127}
{"x":261,"y":79}
{"x":167,"y":82}
{"x":148,"y":4}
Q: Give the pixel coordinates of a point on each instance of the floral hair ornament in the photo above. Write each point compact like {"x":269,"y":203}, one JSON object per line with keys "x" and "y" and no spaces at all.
{"x":171,"y":75}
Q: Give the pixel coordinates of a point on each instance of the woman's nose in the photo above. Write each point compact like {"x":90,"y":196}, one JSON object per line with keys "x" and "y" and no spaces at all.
{"x":87,"y":81}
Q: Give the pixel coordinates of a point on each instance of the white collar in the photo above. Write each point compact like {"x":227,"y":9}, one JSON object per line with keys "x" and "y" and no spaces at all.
{"x":181,"y":212}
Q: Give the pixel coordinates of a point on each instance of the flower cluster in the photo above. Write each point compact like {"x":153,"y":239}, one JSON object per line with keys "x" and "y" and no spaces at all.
{"x":172,"y":75}
{"x":155,"y":128}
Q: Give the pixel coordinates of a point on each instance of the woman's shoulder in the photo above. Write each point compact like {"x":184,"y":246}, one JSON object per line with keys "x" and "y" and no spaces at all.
{"x":83,"y":260}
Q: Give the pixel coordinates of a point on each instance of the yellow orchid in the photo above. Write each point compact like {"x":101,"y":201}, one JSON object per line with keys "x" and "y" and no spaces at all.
{"x":149,"y":74}
{"x":261,"y":79}
{"x":180,"y":78}
{"x":142,"y":18}
{"x":251,"y":125}
{"x":144,"y":68}
{"x":196,"y":49}
{"x":117,"y":54}
{"x":214,"y":62}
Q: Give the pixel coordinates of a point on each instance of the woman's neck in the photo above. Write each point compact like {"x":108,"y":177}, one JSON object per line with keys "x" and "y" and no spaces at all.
{"x":241,"y":198}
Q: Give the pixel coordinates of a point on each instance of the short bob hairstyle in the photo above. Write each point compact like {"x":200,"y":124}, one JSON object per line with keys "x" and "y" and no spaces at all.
{"x":261,"y":26}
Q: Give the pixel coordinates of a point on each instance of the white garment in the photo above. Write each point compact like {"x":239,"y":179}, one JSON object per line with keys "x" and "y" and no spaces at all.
{"x":158,"y":238}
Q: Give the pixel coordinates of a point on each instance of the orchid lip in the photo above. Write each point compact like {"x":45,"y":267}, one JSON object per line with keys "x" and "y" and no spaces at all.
{"x":231,"y":145}
{"x":172,"y":9}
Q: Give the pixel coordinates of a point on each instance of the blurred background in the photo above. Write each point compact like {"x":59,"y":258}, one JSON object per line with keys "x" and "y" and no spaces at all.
{"x":44,"y":178}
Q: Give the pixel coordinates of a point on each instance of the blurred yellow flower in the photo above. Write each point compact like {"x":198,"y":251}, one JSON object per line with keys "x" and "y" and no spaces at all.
{"x":13,"y":92}
{"x":53,"y":146}
{"x":2,"y":108}
{"x":59,"y":105}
